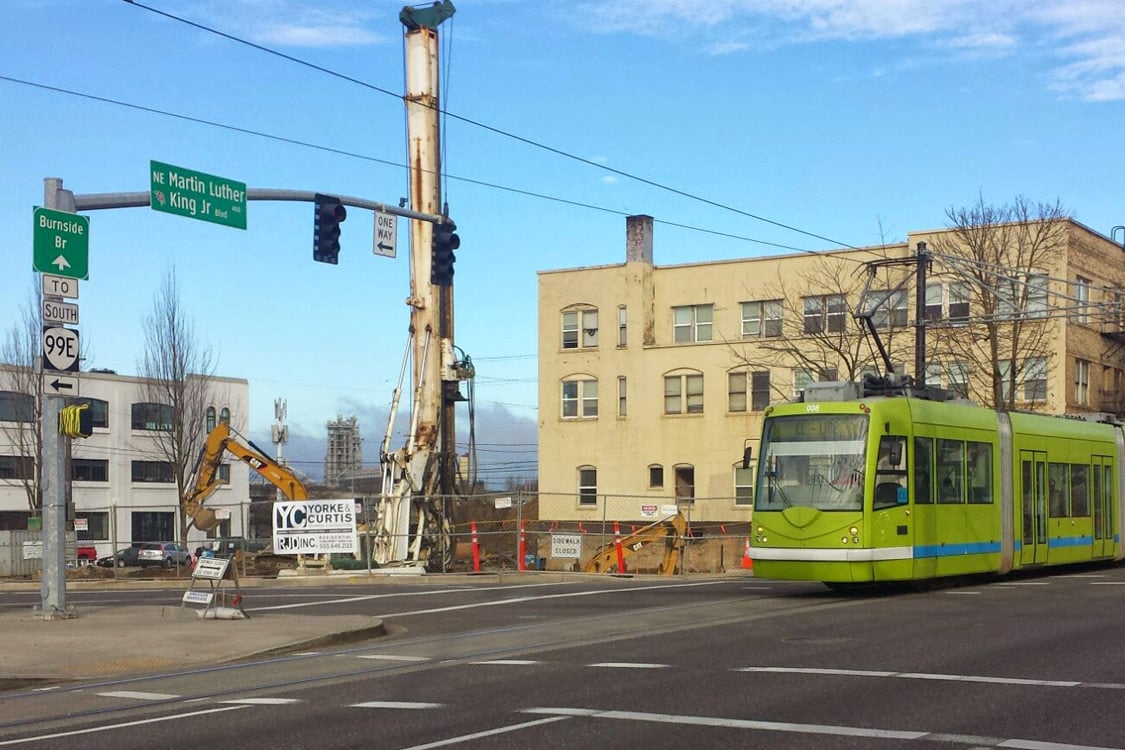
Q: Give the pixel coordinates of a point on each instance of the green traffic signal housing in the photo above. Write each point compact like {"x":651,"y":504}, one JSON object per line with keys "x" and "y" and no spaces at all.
{"x":329,"y":213}
{"x":441,"y":257}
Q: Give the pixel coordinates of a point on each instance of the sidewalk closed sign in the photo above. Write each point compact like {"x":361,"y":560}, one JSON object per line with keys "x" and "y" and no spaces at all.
{"x":314,"y":527}
{"x":566,"y":545}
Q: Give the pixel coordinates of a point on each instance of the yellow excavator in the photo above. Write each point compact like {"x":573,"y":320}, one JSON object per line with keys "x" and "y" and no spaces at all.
{"x":222,"y":440}
{"x":671,"y":531}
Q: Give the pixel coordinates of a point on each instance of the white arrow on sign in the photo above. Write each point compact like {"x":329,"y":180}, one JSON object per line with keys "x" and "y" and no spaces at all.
{"x":61,"y":263}
{"x":386,"y":234}
{"x":60,"y":348}
{"x":60,"y":385}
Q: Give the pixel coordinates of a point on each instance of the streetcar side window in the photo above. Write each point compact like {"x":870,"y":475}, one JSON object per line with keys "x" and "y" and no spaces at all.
{"x":979,"y":468}
{"x":1058,"y":492}
{"x":890,"y":473}
{"x":951,"y":471}
{"x":923,"y":470}
{"x":1079,"y":490}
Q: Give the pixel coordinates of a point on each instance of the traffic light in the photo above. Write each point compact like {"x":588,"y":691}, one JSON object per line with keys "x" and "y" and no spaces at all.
{"x":329,"y":213}
{"x":76,"y":421}
{"x":442,"y":259}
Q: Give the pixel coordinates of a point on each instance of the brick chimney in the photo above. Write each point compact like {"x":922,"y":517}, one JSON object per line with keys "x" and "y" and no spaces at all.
{"x":638,"y":239}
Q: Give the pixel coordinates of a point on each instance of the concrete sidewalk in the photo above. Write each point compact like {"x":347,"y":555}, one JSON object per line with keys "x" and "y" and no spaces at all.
{"x":107,"y":641}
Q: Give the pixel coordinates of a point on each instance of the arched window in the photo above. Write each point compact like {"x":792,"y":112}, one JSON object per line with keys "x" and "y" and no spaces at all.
{"x":224,"y":415}
{"x":210,"y":418}
{"x":99,"y":409}
{"x":580,"y":327}
{"x":579,"y":397}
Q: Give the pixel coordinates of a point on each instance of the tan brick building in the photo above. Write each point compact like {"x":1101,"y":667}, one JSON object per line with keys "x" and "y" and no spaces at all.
{"x":652,"y":380}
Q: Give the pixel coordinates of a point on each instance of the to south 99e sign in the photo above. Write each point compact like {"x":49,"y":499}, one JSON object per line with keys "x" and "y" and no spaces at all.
{"x":60,"y":349}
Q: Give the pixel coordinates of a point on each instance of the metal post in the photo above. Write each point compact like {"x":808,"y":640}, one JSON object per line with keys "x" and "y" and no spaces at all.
{"x":53,"y":482}
{"x":920,"y":317}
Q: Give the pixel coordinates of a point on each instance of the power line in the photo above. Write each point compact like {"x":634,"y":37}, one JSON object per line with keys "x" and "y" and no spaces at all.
{"x":498,"y":131}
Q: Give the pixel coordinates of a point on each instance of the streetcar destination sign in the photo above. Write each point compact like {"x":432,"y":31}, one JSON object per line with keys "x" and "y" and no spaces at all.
{"x":197,"y":195}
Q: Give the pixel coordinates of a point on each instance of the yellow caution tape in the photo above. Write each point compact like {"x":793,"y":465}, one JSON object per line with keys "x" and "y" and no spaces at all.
{"x":70,"y":420}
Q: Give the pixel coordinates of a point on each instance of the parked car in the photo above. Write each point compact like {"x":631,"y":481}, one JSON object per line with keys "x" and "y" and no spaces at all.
{"x":124,"y":557}
{"x":163,"y":553}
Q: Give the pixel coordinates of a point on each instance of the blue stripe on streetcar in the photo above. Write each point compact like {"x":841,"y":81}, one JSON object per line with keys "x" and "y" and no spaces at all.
{"x":955,"y":550}
{"x":1070,"y":541}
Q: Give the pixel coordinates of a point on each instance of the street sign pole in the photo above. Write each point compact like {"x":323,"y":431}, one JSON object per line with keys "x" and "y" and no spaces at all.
{"x":53,"y":485}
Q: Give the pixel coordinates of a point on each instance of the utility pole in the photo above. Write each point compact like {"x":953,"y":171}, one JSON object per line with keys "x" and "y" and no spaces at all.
{"x":922,"y":259}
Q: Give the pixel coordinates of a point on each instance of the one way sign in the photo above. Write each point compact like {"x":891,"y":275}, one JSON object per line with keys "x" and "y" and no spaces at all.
{"x":60,"y":385}
{"x":386,"y":234}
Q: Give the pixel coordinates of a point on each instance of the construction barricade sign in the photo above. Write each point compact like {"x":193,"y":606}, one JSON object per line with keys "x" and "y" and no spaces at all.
{"x":314,"y":527}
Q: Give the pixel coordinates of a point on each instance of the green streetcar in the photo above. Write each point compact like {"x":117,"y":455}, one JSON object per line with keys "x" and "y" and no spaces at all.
{"x":899,"y":488}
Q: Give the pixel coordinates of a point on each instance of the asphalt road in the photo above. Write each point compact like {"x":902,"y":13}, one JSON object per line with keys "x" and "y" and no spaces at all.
{"x":1023,"y":663}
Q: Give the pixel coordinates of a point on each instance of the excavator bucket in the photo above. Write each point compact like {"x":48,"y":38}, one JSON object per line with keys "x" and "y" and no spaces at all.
{"x":204,"y":519}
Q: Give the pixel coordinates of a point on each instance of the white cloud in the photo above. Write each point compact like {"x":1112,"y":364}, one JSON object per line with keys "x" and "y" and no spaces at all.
{"x":1080,"y":42}
{"x":294,"y":23}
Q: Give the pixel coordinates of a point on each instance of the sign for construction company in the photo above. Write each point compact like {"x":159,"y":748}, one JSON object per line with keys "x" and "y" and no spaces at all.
{"x":314,"y":527}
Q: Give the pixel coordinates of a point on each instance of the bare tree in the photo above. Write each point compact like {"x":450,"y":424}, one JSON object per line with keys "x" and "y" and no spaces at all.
{"x":1001,"y":256}
{"x":816,"y":331}
{"x":23,"y":382}
{"x":176,"y":372}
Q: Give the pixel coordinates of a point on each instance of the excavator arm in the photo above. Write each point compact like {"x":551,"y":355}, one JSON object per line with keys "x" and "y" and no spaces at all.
{"x":671,"y":531}
{"x":206,"y":475}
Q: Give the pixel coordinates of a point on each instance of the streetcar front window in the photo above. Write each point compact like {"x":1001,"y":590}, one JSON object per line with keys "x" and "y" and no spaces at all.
{"x":812,"y":461}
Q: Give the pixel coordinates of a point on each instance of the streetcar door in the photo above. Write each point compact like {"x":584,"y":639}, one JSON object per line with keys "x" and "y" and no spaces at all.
{"x":1033,"y":504}
{"x":1102,"y":502}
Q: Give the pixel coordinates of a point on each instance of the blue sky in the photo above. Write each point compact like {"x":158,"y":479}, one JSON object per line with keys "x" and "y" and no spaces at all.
{"x":853,"y":121}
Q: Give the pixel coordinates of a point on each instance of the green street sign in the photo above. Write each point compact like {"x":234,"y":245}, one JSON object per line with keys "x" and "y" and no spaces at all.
{"x":183,"y":192}
{"x":61,"y":243}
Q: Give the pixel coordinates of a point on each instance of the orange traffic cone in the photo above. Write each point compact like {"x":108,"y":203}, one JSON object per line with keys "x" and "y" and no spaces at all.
{"x":747,"y":563}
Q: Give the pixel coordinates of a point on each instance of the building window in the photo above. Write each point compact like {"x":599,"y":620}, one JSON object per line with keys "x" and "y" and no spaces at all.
{"x":1035,"y":379}
{"x":16,"y":407}
{"x":152,"y":417}
{"x":580,"y":328}
{"x":17,"y":467}
{"x":1081,"y":382}
{"x":97,"y":409}
{"x":153,"y":526}
{"x":692,"y":323}
{"x":97,"y":527}
{"x":933,"y":373}
{"x":621,"y":326}
{"x":933,"y":302}
{"x":761,"y":319}
{"x":683,"y":394}
{"x":825,"y":313}
{"x":743,"y":484}
{"x":801,"y":380}
{"x":579,"y":398}
{"x":224,"y":415}
{"x":655,"y":476}
{"x":737,"y":383}
{"x":159,"y":472}
{"x":587,"y":485}
{"x":1082,"y":299}
{"x":223,"y":474}
{"x":685,"y":483}
{"x":210,"y":418}
{"x":622,"y":405}
{"x":889,"y":308}
{"x":89,"y":469}
{"x":958,"y":374}
{"x":759,"y":390}
{"x":1037,"y":295}
{"x":959,"y":292}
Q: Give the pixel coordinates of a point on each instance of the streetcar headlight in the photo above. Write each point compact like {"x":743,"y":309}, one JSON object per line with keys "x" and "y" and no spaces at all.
{"x":760,"y":529}
{"x":853,"y":531}
{"x":844,"y":540}
{"x":855,"y":540}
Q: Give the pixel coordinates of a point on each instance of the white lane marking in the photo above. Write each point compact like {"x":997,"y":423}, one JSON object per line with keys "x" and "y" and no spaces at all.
{"x":522,"y":599}
{"x":709,"y":721}
{"x":629,"y":665}
{"x":1108,"y":583}
{"x":508,"y":662}
{"x":307,"y":653}
{"x":138,"y":695}
{"x":914,"y":676}
{"x":1024,"y":583}
{"x":110,"y":727}
{"x":393,"y":657}
{"x":397,"y":704}
{"x":962,"y":593}
{"x":817,"y":729}
{"x":486,"y":733}
{"x":368,"y":597}
{"x":262,"y":701}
